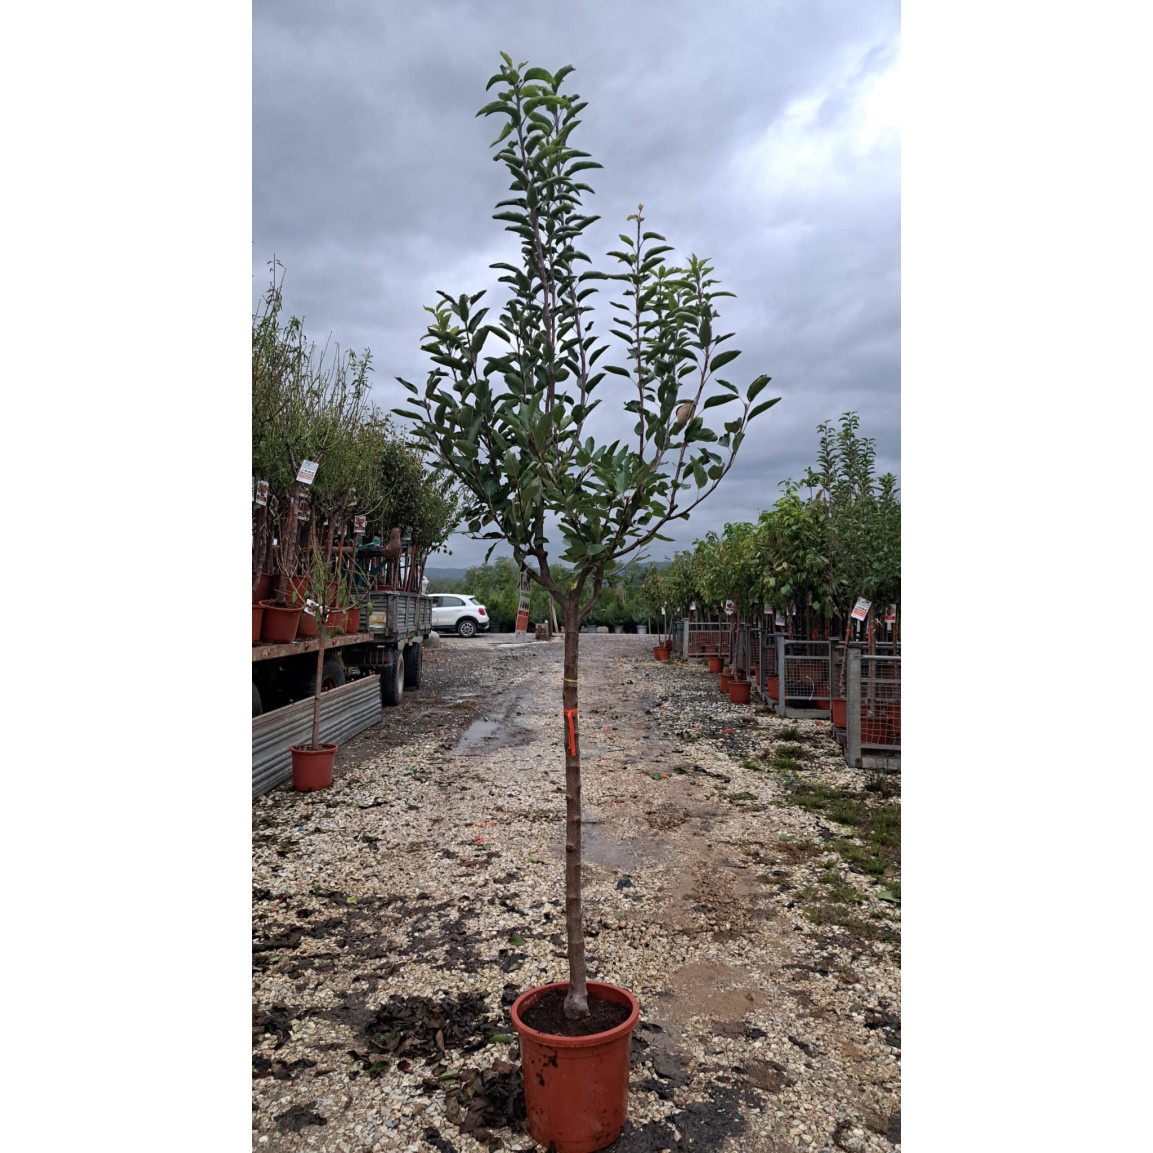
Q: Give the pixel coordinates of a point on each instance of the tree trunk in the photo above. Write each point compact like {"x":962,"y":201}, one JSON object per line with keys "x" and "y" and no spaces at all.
{"x":576,"y":1002}
{"x":319,"y":679}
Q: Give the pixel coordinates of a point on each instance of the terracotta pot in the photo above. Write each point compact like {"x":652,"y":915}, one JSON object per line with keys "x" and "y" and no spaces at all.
{"x":263,"y":587}
{"x":576,"y":1089}
{"x":773,"y":687}
{"x":874,"y":729}
{"x":279,"y":624}
{"x":821,"y":702}
{"x":739,"y":692}
{"x":352,"y":620}
{"x":299,"y":585}
{"x":257,"y":621}
{"x":839,"y":714}
{"x":337,"y":619}
{"x":307,"y":625}
{"x":726,"y":680}
{"x":661,"y":653}
{"x":715,"y":664}
{"x":312,"y":768}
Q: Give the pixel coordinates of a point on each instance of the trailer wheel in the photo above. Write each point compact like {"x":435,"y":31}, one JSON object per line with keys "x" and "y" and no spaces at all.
{"x":257,"y":707}
{"x":413,"y":660}
{"x":392,"y":680}
{"x":332,"y":675}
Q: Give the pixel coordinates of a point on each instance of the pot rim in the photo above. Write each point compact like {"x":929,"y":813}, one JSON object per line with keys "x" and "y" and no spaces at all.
{"x":281,"y":608}
{"x":555,"y":1040}
{"x":324,"y":750}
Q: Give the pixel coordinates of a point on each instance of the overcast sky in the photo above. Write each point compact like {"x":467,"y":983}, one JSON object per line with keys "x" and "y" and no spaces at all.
{"x":758,"y":133}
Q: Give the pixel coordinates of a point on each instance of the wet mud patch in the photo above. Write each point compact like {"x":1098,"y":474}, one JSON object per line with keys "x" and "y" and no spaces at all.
{"x":702,"y":1125}
{"x":298,"y":1117}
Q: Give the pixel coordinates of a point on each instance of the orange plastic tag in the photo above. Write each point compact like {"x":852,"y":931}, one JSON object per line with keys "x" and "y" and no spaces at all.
{"x":569,"y":713}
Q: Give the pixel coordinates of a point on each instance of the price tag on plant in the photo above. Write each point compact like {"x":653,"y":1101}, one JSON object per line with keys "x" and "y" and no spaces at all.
{"x":860,"y":609}
{"x":261,"y":495}
{"x":307,"y":473}
{"x":730,"y":607}
{"x":780,"y":620}
{"x":768,"y":609}
{"x":890,"y":616}
{"x":360,"y":524}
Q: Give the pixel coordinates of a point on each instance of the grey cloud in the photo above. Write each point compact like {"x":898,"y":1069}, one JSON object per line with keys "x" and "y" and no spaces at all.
{"x":373,"y":184}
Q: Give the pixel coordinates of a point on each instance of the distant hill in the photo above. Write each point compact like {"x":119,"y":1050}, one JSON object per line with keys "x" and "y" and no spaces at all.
{"x":452,"y":574}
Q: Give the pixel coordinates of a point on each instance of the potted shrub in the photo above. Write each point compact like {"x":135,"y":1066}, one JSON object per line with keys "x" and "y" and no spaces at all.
{"x":312,"y":763}
{"x":511,"y":428}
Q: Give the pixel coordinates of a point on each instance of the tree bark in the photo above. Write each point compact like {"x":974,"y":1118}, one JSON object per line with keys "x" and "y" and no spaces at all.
{"x":576,"y":1001}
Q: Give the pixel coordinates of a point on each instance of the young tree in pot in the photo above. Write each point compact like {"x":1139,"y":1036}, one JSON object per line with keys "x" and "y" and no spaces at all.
{"x":514,"y":428}
{"x":312,"y":763}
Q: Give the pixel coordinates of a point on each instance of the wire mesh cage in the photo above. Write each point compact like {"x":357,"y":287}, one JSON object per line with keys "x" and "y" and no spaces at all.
{"x":708,"y":638}
{"x":881,"y":700}
{"x":807,"y":669}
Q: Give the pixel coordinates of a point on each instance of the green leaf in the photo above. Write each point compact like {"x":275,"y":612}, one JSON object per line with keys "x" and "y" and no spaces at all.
{"x":757,"y":385}
{"x":713,"y":401}
{"x":515,"y":939}
{"x":348,"y":900}
{"x":539,"y":74}
{"x":723,"y":358}
{"x":762,"y":406}
{"x":501,"y":1038}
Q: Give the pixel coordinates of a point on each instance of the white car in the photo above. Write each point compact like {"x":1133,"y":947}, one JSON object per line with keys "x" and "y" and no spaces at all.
{"x":455,"y":612}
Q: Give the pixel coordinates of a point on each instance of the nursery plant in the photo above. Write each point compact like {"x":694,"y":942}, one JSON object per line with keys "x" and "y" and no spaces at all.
{"x":511,"y":403}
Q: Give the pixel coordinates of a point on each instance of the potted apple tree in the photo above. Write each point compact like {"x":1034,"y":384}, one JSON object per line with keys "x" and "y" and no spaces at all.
{"x":517,"y":430}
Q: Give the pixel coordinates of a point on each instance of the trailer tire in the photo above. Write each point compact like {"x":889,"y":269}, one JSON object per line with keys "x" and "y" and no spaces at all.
{"x":413,"y":660}
{"x":392,"y":681}
{"x":332,"y":675}
{"x":257,"y":706}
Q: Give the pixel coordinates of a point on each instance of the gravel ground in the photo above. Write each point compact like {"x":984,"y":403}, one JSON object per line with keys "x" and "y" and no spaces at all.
{"x":397,"y":914}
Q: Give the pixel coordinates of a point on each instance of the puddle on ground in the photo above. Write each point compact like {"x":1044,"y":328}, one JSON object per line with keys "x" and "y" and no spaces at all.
{"x":476,"y":734}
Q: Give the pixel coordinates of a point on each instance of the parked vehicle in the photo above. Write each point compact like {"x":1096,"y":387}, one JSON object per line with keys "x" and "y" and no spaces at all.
{"x":456,"y":612}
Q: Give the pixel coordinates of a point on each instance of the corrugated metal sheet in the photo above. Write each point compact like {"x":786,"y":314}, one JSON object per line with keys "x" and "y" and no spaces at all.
{"x":344,"y":712}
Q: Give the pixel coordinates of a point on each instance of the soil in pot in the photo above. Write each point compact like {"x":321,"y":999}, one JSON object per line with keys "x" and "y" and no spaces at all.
{"x":547,"y":1016}
{"x":576,"y":1088}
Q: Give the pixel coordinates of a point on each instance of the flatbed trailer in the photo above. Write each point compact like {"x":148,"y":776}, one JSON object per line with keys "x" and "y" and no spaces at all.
{"x":389,"y":642}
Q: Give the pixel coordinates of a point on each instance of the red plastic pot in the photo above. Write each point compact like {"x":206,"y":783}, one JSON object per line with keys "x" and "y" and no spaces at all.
{"x":576,"y":1089}
{"x":263,"y":587}
{"x":307,"y":625}
{"x":726,"y":680}
{"x":352,"y":620}
{"x":661,"y":653}
{"x":874,"y":729}
{"x":840,"y":715}
{"x":821,"y":702}
{"x":773,"y":687}
{"x":279,"y":624}
{"x":715,"y":664}
{"x":739,"y":692}
{"x":312,"y":768}
{"x":337,"y":619}
{"x":257,"y":621}
{"x":299,"y":585}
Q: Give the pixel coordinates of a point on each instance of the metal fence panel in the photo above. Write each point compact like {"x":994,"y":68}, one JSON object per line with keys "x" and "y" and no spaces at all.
{"x":707,"y":638}
{"x":344,"y":712}
{"x":805,"y":688}
{"x":872,"y":709}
